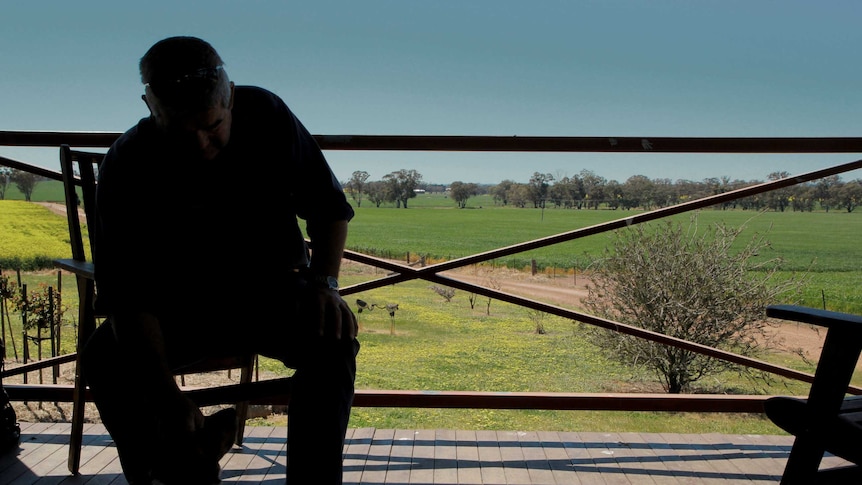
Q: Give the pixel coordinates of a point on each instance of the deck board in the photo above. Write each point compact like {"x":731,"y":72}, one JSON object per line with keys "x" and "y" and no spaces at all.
{"x":443,"y":456}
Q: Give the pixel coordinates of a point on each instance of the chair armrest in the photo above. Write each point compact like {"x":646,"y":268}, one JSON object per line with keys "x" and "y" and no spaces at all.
{"x":79,"y":268}
{"x":814,"y":316}
{"x":840,"y":354}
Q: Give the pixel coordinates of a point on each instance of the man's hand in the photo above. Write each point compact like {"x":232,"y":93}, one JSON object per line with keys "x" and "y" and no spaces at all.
{"x":328,"y":310}
{"x":333,"y":317}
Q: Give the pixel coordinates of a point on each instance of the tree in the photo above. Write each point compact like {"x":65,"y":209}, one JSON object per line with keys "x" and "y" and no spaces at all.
{"x":25,"y":181}
{"x":594,"y":186}
{"x":567,"y":192}
{"x":5,"y":178}
{"x":519,"y":195}
{"x":356,"y":186}
{"x":376,"y":192}
{"x":825,"y":191}
{"x":538,"y":185}
{"x":402,"y":185}
{"x":804,"y":197}
{"x":694,"y":284}
{"x":613,"y":193}
{"x":558,"y":195}
{"x":664,"y":193}
{"x":778,"y":199}
{"x":500,"y":192}
{"x":460,"y":192}
{"x":850,"y":195}
{"x":637,"y":192}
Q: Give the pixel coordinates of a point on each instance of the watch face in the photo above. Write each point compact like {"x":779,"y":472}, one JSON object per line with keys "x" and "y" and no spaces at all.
{"x":332,"y":282}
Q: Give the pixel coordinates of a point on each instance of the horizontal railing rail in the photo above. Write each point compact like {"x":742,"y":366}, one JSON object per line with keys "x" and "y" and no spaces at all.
{"x":402,"y":273}
{"x":622,"y":144}
{"x":272,"y":391}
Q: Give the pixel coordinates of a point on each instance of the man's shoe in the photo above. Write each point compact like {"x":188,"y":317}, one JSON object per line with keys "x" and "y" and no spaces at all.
{"x":196,"y":461}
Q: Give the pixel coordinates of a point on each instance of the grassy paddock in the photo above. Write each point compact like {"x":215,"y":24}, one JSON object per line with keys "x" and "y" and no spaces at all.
{"x":44,"y":191}
{"x":445,"y":232}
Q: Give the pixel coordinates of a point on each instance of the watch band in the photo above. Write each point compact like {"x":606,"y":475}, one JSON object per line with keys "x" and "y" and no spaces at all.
{"x":325,"y":281}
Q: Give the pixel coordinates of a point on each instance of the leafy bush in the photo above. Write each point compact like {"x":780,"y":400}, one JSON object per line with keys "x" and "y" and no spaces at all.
{"x":693,"y":284}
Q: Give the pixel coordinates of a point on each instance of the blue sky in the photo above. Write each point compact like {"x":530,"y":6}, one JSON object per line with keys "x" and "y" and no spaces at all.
{"x":491,"y":67}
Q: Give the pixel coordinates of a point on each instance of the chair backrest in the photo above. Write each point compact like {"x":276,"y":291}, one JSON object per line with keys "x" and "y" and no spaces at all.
{"x":87,"y":164}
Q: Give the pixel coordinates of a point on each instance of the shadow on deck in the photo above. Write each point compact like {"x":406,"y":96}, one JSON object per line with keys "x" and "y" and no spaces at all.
{"x":378,"y":456}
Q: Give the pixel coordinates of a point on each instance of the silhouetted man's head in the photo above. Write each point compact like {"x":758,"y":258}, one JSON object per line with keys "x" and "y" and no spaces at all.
{"x":189,"y":94}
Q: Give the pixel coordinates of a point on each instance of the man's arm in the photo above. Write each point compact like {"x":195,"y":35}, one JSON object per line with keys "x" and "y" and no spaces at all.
{"x":327,"y":249}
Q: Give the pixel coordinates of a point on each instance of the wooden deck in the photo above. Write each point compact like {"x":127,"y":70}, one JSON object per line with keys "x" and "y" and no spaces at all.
{"x":386,"y":456}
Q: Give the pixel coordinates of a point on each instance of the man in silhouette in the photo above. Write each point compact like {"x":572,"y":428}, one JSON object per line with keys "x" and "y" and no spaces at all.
{"x":168,"y":242}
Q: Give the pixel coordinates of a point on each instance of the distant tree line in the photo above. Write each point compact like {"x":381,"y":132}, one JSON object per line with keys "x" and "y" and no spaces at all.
{"x":590,"y":191}
{"x":587,"y":190}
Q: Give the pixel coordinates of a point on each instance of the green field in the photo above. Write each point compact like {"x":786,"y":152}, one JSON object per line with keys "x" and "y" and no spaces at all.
{"x":823,"y":244}
{"x":449,"y":346}
{"x":445,"y":232}
{"x":45,"y":191}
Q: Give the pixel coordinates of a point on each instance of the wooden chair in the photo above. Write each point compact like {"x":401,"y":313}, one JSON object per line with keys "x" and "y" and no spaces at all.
{"x":87,"y":164}
{"x":829,"y":420}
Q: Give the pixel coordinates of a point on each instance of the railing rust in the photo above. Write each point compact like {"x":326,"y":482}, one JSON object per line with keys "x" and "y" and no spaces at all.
{"x":432,"y":272}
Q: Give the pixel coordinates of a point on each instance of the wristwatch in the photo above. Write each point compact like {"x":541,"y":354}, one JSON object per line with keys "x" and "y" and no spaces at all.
{"x":330,"y":282}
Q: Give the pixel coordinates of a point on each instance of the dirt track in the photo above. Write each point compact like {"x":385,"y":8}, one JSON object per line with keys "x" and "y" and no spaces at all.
{"x":59,"y":208}
{"x":569,"y":292}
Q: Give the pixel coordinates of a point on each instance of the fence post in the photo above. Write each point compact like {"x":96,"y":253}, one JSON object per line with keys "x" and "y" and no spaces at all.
{"x":52,"y":334}
{"x":3,"y":315}
{"x":26,"y":354}
{"x":59,"y":318}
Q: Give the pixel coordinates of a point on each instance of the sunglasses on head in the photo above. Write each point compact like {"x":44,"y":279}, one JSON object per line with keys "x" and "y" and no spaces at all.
{"x":202,"y":74}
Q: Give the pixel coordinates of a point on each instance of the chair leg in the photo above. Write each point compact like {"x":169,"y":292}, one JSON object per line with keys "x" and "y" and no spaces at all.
{"x":76,"y":435}
{"x":86,"y":326}
{"x":242,"y":406}
{"x":803,"y":462}
{"x":241,"y":416}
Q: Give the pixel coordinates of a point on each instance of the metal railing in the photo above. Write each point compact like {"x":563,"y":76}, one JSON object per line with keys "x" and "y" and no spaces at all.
{"x":401,"y":272}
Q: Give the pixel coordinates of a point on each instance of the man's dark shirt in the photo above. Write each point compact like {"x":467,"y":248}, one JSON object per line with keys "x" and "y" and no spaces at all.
{"x":176,"y":232}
